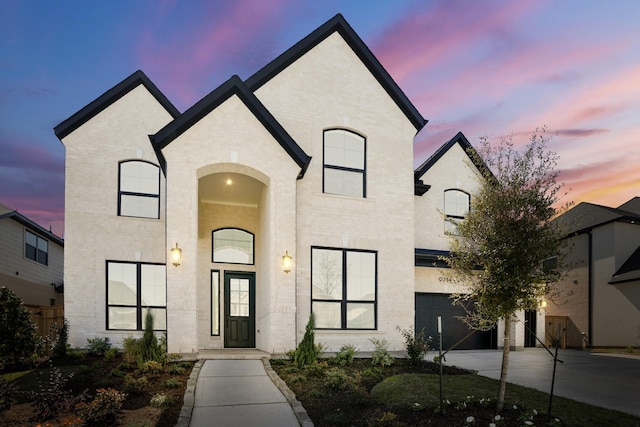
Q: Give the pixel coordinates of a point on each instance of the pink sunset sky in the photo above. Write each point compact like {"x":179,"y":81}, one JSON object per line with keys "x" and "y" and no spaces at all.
{"x":486,"y":68}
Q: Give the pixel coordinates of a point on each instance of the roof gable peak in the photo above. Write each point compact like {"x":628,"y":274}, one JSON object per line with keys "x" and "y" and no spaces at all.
{"x":339,"y":24}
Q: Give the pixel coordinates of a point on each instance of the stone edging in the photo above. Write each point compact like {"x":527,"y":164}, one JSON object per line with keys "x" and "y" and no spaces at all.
{"x":189,"y":396}
{"x":298,"y":409}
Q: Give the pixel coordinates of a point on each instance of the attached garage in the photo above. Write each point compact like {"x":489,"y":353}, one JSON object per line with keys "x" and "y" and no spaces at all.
{"x":431,"y":305}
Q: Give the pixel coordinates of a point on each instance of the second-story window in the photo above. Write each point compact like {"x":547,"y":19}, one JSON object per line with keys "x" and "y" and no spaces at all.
{"x":139,"y":189}
{"x":36,"y":248}
{"x":344,"y":163}
{"x":456,"y":208}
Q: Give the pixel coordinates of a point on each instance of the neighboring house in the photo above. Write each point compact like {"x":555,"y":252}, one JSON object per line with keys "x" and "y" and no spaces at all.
{"x":308,"y":163}
{"x":598,"y":303}
{"x":31,"y":260}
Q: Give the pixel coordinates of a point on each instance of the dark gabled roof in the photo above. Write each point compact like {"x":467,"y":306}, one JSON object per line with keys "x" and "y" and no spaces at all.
{"x":108,"y":98}
{"x":632,"y":206}
{"x":18,"y":217}
{"x":630,"y":270}
{"x":430,"y":258}
{"x":420,"y":188}
{"x":233,"y":86}
{"x":587,"y":216}
{"x":339,"y":24}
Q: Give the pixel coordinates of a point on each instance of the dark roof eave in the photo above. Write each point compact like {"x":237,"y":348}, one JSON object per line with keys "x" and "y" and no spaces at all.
{"x":109,"y":97}
{"x":339,"y":24}
{"x":18,"y":217}
{"x":233,"y":86}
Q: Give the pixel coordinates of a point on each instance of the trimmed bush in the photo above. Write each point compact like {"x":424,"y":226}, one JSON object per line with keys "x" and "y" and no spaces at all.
{"x":98,"y":346}
{"x":381,"y":355}
{"x":19,"y":338}
{"x":346,"y":354}
{"x":307,"y":352}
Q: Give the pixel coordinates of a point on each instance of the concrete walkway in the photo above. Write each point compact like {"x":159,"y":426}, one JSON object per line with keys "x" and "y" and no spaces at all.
{"x":238,"y":393}
{"x":596,"y":379}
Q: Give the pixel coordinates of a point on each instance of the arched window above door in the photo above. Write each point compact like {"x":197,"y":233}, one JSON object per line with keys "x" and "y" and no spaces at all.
{"x":233,"y":246}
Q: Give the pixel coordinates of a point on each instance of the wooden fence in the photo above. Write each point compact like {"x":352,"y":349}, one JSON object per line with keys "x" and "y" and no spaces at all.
{"x":44,"y":316}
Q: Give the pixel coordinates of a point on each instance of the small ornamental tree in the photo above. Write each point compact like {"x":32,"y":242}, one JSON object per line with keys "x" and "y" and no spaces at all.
{"x":500,"y":247}
{"x":19,"y":338}
{"x":307,"y":352}
{"x":149,"y":349}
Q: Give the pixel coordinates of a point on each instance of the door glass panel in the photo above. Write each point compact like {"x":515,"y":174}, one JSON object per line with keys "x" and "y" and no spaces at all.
{"x":239,"y":297}
{"x":215,"y":303}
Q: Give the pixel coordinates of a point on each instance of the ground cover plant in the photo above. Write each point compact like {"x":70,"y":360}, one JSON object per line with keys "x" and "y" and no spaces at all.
{"x":407,"y":394}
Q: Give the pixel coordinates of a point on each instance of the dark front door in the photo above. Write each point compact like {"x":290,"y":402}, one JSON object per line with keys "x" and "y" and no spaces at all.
{"x":239,"y":310}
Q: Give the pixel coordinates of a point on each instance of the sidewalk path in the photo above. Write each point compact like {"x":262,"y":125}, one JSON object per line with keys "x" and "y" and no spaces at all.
{"x":609,"y":382}
{"x":239,"y":393}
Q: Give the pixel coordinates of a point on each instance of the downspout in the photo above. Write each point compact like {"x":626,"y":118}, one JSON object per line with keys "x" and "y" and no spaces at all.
{"x":590,"y":293}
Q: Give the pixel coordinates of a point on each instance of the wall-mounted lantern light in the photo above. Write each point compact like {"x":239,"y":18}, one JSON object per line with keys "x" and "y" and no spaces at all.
{"x":543,"y":304}
{"x":287,"y":261}
{"x":176,"y":256}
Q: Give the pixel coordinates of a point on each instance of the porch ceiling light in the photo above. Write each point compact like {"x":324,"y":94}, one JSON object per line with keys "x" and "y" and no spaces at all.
{"x":176,"y":256}
{"x":287,"y":261}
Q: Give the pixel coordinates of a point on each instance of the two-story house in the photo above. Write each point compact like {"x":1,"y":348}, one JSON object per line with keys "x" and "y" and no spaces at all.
{"x":289,"y":193}
{"x":31,"y":265}
{"x":598,"y":302}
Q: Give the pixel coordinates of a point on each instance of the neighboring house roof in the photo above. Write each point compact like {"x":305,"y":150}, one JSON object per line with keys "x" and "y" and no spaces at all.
{"x":6,"y":212}
{"x":340,"y":25}
{"x":108,"y":98}
{"x":233,"y":86}
{"x":630,"y":270}
{"x":632,"y":206}
{"x":419,"y":187}
{"x":586,"y":216}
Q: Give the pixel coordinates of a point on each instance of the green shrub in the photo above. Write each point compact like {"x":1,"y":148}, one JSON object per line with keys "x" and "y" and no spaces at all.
{"x":172,"y":383}
{"x":316,"y":369}
{"x":19,"y":337}
{"x":130,"y":349}
{"x":346,"y":354}
{"x":125,"y":367}
{"x":173,"y":358}
{"x":76,"y":354}
{"x":117,"y":373}
{"x":161,"y":400}
{"x":7,"y":394}
{"x":381,"y":355}
{"x":149,"y":349}
{"x":337,"y":378}
{"x":151,"y":367}
{"x":134,"y":385}
{"x":52,"y":395}
{"x":111,"y":354}
{"x":307,"y":352}
{"x":176,"y":370}
{"x":103,"y":408}
{"x":415,"y":344}
{"x":98,"y":346}
{"x":61,"y":333}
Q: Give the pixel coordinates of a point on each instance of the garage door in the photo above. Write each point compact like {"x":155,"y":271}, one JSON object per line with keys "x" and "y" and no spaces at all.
{"x":430,"y":306}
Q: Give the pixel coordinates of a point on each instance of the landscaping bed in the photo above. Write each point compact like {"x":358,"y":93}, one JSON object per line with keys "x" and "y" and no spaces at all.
{"x":84,"y":373}
{"x":357,"y":393}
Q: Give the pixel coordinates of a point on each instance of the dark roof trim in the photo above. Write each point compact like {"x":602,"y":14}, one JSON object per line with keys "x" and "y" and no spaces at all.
{"x":419,"y":188}
{"x":109,"y":97}
{"x":18,"y":217}
{"x":464,"y":143}
{"x":339,"y":24}
{"x":430,"y":258}
{"x":629,"y":271}
{"x":233,"y":86}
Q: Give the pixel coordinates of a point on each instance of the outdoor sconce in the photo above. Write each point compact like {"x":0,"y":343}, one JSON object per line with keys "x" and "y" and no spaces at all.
{"x":286,"y":262}
{"x":176,"y":256}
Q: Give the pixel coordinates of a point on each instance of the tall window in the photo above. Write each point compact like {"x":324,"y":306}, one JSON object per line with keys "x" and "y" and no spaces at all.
{"x":139,"y":189}
{"x":344,"y":163}
{"x":233,"y":246}
{"x":343,"y":288}
{"x":456,"y":208}
{"x":36,"y":248}
{"x":132,"y":289}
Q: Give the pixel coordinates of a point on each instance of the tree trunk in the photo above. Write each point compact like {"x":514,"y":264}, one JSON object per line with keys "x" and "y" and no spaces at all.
{"x":505,"y":363}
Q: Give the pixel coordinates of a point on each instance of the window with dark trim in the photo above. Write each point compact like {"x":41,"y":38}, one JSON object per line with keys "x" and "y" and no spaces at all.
{"x":138,"y":189}
{"x":215,"y":302}
{"x":232,"y":246}
{"x":132,"y":289}
{"x":36,"y":248}
{"x":344,"y":170}
{"x":456,"y":208}
{"x":344,"y":288}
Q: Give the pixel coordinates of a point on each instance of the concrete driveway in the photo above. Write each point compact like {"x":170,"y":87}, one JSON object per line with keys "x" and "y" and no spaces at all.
{"x":602,"y":380}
